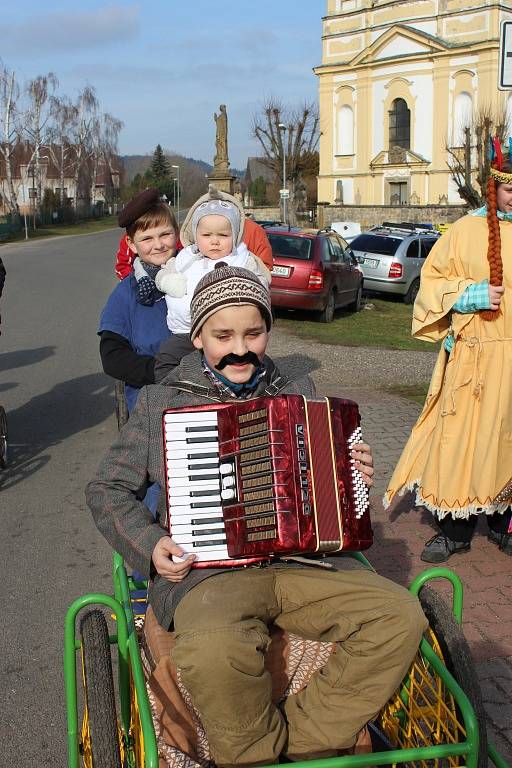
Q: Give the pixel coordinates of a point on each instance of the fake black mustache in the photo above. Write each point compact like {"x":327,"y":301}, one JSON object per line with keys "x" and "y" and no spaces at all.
{"x":233,"y":359}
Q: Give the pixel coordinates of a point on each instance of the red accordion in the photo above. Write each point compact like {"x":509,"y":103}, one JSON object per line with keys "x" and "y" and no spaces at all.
{"x":255,"y":479}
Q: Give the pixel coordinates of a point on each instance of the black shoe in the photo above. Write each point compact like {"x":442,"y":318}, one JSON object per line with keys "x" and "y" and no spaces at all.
{"x":439,"y":548}
{"x":503,"y":540}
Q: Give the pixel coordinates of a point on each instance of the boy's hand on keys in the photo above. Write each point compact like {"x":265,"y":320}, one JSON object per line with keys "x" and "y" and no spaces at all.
{"x":165,"y":566}
{"x":362,"y":453}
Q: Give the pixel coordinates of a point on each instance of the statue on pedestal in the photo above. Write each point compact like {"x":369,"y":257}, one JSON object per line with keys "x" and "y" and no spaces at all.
{"x":220,"y":161}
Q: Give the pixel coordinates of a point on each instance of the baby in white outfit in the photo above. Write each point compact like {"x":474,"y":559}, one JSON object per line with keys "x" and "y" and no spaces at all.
{"x":216,"y":231}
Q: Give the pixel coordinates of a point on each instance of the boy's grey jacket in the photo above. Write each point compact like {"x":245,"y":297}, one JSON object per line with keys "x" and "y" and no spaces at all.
{"x":126,"y":522}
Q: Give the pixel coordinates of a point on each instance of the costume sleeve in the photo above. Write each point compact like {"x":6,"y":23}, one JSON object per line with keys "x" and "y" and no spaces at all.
{"x":121,"y":362}
{"x":124,"y":259}
{"x":125,"y":522}
{"x":474,"y":299}
{"x":443,"y":280}
{"x":170,"y":354}
{"x":257,"y":242}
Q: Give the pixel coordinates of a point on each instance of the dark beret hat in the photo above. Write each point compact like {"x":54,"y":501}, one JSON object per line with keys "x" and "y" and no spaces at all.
{"x":138,"y":206}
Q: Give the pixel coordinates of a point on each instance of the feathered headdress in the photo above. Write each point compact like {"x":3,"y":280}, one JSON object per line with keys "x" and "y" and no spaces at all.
{"x":496,"y":155}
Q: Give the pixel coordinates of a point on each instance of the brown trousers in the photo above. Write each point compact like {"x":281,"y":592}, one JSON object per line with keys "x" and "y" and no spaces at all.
{"x":222,"y":634}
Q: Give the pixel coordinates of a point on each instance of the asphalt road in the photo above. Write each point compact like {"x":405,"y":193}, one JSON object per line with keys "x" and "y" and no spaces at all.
{"x":60,"y":412}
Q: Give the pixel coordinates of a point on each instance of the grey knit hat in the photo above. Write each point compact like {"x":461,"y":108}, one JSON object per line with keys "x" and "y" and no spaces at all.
{"x":217,"y":208}
{"x":226,"y":286}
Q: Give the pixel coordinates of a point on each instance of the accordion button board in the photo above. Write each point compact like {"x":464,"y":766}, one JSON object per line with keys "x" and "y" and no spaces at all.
{"x":255,"y":479}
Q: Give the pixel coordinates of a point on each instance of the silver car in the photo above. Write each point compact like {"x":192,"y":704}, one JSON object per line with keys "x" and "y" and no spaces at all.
{"x":391,"y":257}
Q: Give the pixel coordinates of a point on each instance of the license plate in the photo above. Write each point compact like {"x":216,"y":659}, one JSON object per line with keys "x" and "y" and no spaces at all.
{"x":278,"y":271}
{"x":371,"y":262}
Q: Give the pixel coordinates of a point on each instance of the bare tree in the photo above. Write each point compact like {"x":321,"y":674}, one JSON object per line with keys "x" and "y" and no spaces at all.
{"x":106,"y":136}
{"x":469,"y":163}
{"x":9,"y":95}
{"x":61,"y":150}
{"x":289,"y":134}
{"x":37,"y":125}
{"x":83,"y":128}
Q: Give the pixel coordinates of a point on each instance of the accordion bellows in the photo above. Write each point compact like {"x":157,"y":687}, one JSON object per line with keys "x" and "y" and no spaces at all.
{"x":255,"y":479}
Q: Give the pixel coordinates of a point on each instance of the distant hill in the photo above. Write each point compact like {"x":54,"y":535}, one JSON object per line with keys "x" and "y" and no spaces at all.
{"x":193,"y":173}
{"x":134,"y":164}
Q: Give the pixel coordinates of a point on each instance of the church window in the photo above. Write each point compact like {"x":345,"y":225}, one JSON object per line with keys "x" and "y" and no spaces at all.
{"x":462,"y":115}
{"x":345,"y":131}
{"x":400,"y":124}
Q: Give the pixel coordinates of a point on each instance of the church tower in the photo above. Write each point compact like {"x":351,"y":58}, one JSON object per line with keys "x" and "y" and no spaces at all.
{"x":398,"y":80}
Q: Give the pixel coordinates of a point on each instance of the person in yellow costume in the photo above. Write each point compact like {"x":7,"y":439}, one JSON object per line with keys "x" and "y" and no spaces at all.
{"x":459,"y":454}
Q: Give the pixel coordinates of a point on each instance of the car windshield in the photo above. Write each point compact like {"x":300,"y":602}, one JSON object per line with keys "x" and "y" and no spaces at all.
{"x":376,"y":244}
{"x":290,"y":247}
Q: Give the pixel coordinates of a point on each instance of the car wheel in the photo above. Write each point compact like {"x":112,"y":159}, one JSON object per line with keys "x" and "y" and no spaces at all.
{"x":410,"y":296}
{"x":327,"y":313}
{"x":358,"y":301}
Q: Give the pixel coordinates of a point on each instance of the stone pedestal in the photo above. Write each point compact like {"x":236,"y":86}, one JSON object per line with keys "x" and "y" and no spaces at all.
{"x":222,"y":180}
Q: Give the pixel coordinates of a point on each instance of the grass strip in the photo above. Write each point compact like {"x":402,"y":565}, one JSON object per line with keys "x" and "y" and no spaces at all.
{"x":384,"y":323}
{"x":80,"y":228}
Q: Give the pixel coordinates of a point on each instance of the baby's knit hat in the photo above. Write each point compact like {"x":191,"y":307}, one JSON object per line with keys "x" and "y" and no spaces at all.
{"x":216,"y":207}
{"x":226,"y":286}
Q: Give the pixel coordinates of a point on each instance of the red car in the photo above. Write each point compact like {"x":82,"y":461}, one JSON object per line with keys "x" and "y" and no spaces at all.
{"x":314,"y":270}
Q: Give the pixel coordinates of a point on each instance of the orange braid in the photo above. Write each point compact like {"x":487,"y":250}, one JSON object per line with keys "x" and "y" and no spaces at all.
{"x":494,"y":246}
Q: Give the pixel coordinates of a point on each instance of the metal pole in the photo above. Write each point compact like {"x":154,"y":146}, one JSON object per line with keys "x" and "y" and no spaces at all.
{"x":284,"y":185}
{"x":178,"y":207}
{"x":282,"y":127}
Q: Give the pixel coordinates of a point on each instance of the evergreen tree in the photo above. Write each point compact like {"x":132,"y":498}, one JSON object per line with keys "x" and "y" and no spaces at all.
{"x":160,"y":168}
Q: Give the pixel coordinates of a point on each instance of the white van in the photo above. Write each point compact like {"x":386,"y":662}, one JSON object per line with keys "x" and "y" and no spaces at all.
{"x":347,"y":229}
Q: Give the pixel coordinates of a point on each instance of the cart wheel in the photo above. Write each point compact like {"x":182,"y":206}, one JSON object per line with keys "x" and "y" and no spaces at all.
{"x":121,"y":407}
{"x":3,"y":438}
{"x":423,"y":712}
{"x":457,"y":658}
{"x":99,"y":731}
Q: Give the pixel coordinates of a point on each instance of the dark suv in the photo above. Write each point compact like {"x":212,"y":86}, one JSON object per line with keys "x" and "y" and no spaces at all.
{"x":314,"y":270}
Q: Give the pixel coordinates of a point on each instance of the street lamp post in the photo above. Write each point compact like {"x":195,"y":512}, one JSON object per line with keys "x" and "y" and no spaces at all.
{"x":178,"y":206}
{"x":282,"y":127}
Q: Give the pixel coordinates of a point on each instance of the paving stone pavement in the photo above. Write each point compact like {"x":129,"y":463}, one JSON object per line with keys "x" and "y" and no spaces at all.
{"x":400,"y":533}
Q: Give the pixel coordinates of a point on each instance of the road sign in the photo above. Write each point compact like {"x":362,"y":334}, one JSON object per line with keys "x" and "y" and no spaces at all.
{"x":505,"y":64}
{"x":284,"y":193}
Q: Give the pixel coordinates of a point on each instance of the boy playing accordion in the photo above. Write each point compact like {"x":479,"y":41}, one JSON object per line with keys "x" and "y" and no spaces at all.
{"x":221,"y":616}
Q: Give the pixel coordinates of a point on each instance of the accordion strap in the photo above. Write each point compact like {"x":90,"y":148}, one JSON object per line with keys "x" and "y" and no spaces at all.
{"x":209,"y":393}
{"x":275,"y":386}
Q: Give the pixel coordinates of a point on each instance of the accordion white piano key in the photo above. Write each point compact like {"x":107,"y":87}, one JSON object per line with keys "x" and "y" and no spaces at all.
{"x":211,"y":530}
{"x":181,"y":447}
{"x":198,"y":488}
{"x":181,"y":431}
{"x":185,"y":501}
{"x":185,"y":514}
{"x":191,"y":454}
{"x":188,"y":418}
{"x":205,"y":553}
{"x":189,"y":469}
{"x":199,"y":483}
{"x":200,"y":542}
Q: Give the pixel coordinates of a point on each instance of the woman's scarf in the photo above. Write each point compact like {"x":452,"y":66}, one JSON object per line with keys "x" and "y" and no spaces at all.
{"x":483,"y":212}
{"x":147,"y":292}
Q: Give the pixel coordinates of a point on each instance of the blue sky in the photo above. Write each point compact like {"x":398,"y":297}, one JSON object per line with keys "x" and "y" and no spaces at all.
{"x":164,"y":66}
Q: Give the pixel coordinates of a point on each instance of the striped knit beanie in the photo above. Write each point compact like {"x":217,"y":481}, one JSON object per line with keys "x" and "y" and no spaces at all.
{"x":226,"y":286}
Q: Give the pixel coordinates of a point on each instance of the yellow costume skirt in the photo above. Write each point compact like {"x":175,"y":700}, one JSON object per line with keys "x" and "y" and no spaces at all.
{"x":459,"y":454}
